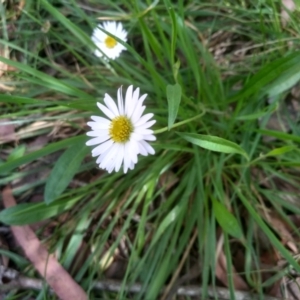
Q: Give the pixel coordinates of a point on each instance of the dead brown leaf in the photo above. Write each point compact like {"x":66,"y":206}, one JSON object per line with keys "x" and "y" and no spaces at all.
{"x":283,"y":229}
{"x":6,"y":88}
{"x":222,"y":273}
{"x":4,"y":52}
{"x":4,"y":260}
{"x":287,"y":288}
{"x":7,"y":131}
{"x":288,"y":5}
{"x":46,"y":264}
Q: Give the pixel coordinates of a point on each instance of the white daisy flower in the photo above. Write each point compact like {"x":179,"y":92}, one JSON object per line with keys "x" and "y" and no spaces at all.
{"x":106,"y":43}
{"x":123,"y":134}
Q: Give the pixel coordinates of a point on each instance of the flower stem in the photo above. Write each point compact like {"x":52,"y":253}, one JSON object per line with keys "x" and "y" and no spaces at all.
{"x":178,"y":124}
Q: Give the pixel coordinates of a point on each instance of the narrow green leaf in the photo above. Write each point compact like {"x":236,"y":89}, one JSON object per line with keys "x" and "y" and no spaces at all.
{"x":280,"y":135}
{"x":21,"y":100}
{"x":19,"y":260}
{"x":280,"y":150}
{"x":63,"y":171}
{"x":173,"y":97}
{"x":76,"y":239}
{"x":284,"y":82}
{"x":213,"y":143}
{"x":75,"y":30}
{"x":45,"y":79}
{"x":167,"y":221}
{"x":227,"y":220}
{"x":267,"y":110}
{"x":28,"y":213}
{"x":174,"y":32}
{"x":8,"y":166}
{"x":267,"y":75}
{"x":266,"y":229}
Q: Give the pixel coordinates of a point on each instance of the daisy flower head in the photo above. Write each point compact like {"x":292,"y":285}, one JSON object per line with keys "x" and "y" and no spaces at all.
{"x":124,"y":133}
{"x":106,"y":43}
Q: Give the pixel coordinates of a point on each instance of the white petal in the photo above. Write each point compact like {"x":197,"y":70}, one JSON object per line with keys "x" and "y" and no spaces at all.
{"x":149,"y":137}
{"x":119,"y":158}
{"x":108,"y":26}
{"x":110,"y":103}
{"x":97,"y":133}
{"x":121,"y":33}
{"x":146,"y":125}
{"x":98,"y":53}
{"x":120,"y":101}
{"x":127,"y":157}
{"x":97,"y":140}
{"x":98,"y":35}
{"x":142,"y":149}
{"x":135,"y":95}
{"x":110,"y":169}
{"x":100,"y":119}
{"x":103,"y":155}
{"x":144,"y":119}
{"x":149,"y":149}
{"x":128,"y":98}
{"x":99,"y":125}
{"x":131,"y":167}
{"x":105,"y":110}
{"x":110,"y":157}
{"x":102,"y":148}
{"x":137,"y":114}
{"x":142,"y":98}
{"x":103,"y":160}
{"x":132,"y":150}
{"x":110,"y":166}
{"x":132,"y":103}
{"x":143,"y":131}
{"x":137,"y":136}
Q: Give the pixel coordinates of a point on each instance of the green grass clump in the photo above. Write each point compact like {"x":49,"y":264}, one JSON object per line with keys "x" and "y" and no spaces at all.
{"x":216,"y":74}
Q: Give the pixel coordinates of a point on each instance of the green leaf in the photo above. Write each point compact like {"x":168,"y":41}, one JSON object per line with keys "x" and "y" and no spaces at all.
{"x":280,"y":150}
{"x":63,"y":171}
{"x":28,"y":213}
{"x":173,"y":97}
{"x":213,"y":143}
{"x":227,"y":220}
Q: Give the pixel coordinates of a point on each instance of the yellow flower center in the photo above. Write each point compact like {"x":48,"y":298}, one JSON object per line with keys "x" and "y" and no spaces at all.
{"x":120,"y":129}
{"x":110,"y":42}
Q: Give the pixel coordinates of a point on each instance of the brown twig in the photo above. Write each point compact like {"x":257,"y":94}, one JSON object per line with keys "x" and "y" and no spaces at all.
{"x":19,"y":281}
